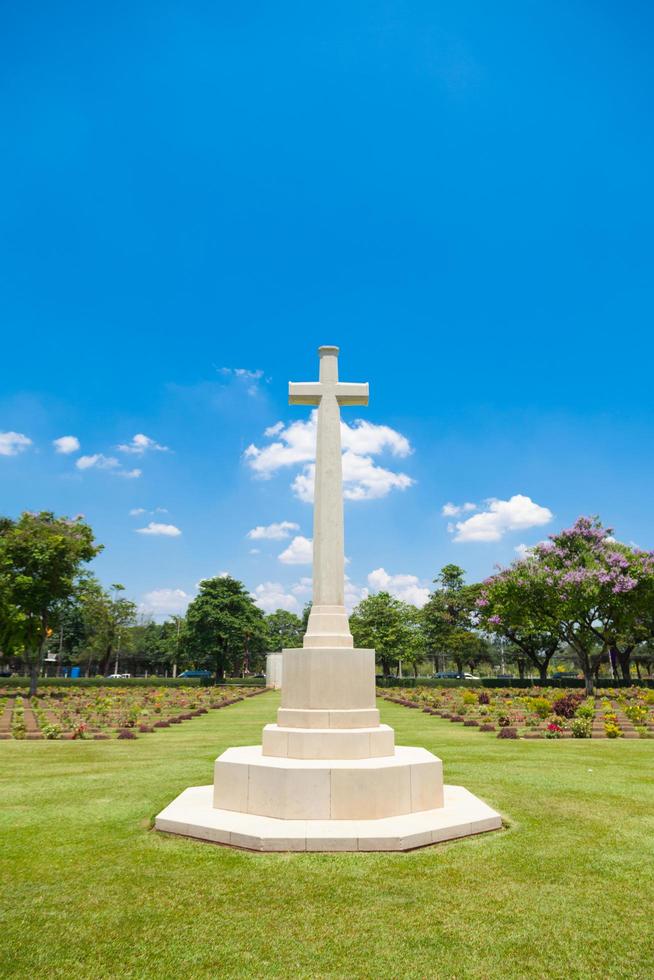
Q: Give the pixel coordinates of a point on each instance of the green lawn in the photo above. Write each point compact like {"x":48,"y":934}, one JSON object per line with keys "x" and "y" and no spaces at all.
{"x":88,"y":890}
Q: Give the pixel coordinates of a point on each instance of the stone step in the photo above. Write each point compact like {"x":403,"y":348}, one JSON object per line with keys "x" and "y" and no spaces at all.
{"x":328,"y":789}
{"x":328,"y":743}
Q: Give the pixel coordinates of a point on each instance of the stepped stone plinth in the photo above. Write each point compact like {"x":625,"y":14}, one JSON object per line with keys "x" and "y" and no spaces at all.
{"x":327,"y":776}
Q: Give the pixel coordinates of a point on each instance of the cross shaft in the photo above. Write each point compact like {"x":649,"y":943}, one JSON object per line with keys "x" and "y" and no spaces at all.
{"x":328,"y":624}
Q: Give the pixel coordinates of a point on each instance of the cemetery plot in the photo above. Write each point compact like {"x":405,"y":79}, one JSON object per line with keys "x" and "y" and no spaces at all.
{"x":551,"y":713}
{"x":103,"y":712}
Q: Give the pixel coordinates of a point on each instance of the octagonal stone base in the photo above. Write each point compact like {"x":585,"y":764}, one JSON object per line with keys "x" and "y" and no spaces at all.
{"x":409,"y":780}
{"x":193,"y":815}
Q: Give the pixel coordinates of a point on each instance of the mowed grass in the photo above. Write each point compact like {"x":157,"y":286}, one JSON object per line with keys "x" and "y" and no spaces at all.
{"x":89,"y":890}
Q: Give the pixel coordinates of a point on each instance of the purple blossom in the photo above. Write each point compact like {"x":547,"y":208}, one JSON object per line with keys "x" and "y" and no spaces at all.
{"x":576,"y":577}
{"x":625,"y":584}
{"x":496,"y":620}
{"x":482,"y":601}
{"x":615,"y":558}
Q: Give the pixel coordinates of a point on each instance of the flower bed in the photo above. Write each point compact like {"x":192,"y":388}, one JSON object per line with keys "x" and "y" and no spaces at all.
{"x":553,"y":714}
{"x":108,"y":712}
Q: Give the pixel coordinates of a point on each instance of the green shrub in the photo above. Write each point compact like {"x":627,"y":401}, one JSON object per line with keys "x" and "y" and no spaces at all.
{"x":51,"y":731}
{"x":540,"y":706}
{"x":636,"y":714}
{"x":581,"y":727}
{"x":586,"y":710}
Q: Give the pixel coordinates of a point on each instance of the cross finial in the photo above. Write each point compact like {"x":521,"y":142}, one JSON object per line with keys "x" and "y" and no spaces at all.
{"x":328,"y":364}
{"x":311,"y":392}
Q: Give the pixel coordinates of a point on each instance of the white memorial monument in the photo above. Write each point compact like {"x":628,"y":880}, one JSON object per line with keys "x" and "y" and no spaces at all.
{"x":328,"y":776}
{"x":274,"y":670}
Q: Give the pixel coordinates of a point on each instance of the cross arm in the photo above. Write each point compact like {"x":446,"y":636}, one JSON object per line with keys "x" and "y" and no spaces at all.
{"x":304,"y":392}
{"x":350,"y":393}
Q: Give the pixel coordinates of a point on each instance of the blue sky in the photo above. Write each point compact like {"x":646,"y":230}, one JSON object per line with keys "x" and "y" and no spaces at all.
{"x":458,"y":194}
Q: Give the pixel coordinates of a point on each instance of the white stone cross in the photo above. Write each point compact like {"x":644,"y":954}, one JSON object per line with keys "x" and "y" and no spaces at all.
{"x":328,"y":623}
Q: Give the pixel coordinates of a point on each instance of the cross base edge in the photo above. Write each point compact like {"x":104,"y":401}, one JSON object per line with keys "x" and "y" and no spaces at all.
{"x":192,"y":815}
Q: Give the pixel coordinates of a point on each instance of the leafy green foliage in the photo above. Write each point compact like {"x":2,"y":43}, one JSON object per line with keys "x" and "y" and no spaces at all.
{"x":224,"y":628}
{"x":285,"y":630}
{"x":448,"y":620}
{"x":41,"y":557}
{"x":390,"y":627}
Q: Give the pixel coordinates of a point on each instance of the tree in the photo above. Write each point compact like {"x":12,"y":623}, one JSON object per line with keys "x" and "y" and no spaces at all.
{"x":108,"y":615}
{"x":73,"y":637}
{"x":448,"y":618}
{"x":41,"y":557}
{"x":224,"y":626}
{"x":644,"y":657}
{"x":386,"y":625}
{"x":585,"y":587}
{"x":511,"y":606}
{"x":413,"y":653}
{"x":11,"y":621}
{"x":285,"y":630}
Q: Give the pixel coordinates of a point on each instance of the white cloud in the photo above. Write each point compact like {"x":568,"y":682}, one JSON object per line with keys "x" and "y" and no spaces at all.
{"x":405,"y":587}
{"x":270,"y":596}
{"x":140,"y":444}
{"x":66,"y":444}
{"x":273,"y":532}
{"x":254,"y":551}
{"x":303,"y":587}
{"x":97,"y":461}
{"x":354,"y":594}
{"x":247,"y":376}
{"x":246,"y":373}
{"x":137,"y":511}
{"x":12,"y":443}
{"x":516,"y":514}
{"x":165,"y":530}
{"x":363,"y":478}
{"x":297,"y":444}
{"x":299,"y":552}
{"x":164,"y":602}
{"x":366,"y":438}
{"x":454,"y":510}
{"x":129,"y":474}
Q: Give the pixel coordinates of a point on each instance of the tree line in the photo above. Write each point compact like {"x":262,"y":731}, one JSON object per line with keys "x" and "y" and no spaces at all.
{"x":582,"y":597}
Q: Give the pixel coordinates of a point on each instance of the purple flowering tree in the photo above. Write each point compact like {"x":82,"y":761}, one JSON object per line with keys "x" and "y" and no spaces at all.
{"x":581,"y":587}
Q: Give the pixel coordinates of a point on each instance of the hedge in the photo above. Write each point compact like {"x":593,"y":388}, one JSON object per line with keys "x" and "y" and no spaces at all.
{"x":102,"y":682}
{"x":132,"y":682}
{"x":243,"y":682}
{"x":506,"y":682}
